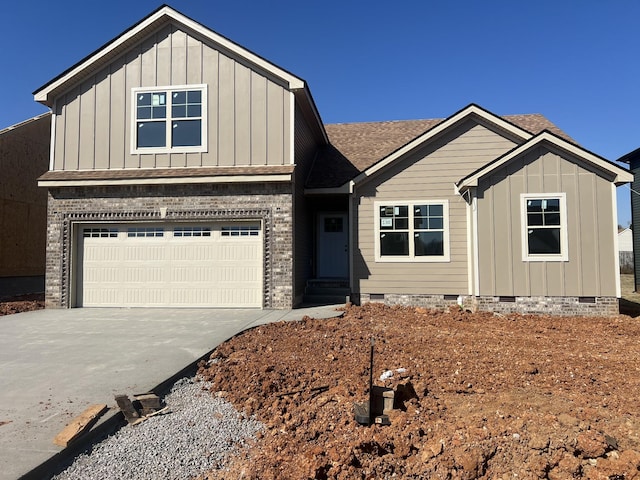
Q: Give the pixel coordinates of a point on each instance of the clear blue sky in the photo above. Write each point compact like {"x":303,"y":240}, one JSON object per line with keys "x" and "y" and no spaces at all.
{"x":575,"y":61}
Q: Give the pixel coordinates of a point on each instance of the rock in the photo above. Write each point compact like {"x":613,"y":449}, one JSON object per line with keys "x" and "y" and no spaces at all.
{"x":431,"y":449}
{"x":591,"y":444}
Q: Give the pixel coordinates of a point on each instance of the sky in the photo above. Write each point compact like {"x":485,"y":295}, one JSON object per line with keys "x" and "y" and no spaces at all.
{"x":574,"y":61}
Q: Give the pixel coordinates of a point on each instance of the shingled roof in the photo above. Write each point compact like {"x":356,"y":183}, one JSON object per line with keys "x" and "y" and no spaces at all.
{"x":357,"y":146}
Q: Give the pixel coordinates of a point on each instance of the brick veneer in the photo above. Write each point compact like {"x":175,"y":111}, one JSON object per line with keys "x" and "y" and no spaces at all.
{"x":270,"y":202}
{"x":563,"y":306}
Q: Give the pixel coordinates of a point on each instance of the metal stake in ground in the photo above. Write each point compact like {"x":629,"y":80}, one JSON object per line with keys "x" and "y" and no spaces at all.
{"x":371,"y":416}
{"x":364,"y":411}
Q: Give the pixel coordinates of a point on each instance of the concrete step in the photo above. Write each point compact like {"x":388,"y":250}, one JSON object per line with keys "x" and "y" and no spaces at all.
{"x":325,"y":299}
{"x":321,"y":290}
{"x":328,"y":283}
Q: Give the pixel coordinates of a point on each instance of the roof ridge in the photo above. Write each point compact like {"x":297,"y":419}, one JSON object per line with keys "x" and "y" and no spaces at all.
{"x":371,"y":122}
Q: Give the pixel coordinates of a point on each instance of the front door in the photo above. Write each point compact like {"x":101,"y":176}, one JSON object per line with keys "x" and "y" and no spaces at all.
{"x":333,"y":245}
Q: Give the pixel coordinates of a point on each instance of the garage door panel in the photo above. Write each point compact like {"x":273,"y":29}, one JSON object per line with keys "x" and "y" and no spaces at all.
{"x":153,"y":266}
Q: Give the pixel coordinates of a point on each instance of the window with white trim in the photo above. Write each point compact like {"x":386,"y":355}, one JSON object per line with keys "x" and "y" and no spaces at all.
{"x":169,"y":119}
{"x":415,"y":231}
{"x":544,"y":232}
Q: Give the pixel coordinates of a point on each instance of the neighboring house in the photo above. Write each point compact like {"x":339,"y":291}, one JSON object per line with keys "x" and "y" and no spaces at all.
{"x":633,"y":159}
{"x":24,"y":156}
{"x":188,"y":171}
{"x":625,"y":247}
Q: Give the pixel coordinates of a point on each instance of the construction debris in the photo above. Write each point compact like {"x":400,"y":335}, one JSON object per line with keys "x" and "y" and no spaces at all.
{"x":80,"y":425}
{"x":126,"y":407}
{"x":144,"y":405}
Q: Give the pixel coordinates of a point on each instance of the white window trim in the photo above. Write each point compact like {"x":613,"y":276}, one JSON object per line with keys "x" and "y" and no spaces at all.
{"x":411,"y":258}
{"x":168,"y":148}
{"x":563,"y":256}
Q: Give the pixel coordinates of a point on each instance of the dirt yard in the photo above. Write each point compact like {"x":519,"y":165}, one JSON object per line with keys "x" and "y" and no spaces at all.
{"x":483,"y":396}
{"x":478,"y":396}
{"x":24,"y":303}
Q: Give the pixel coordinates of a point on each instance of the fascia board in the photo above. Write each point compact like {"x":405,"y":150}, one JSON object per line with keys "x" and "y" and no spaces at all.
{"x":463,"y":114}
{"x":621,"y":175}
{"x":293,"y":82}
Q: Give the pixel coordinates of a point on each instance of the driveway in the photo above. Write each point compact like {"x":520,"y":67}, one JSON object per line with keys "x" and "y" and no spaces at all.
{"x":55,"y":363}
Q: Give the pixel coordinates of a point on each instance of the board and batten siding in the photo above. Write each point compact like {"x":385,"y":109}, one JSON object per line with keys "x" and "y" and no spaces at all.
{"x":248,"y":114}
{"x":427,"y":174}
{"x":590,"y":269}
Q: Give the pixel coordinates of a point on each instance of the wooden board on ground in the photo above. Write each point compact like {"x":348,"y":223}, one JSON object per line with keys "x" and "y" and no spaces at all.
{"x":79,"y":425}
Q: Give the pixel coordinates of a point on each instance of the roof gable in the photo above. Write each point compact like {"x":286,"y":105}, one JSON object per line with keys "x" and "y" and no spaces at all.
{"x":619,"y":174}
{"x":470,"y":112}
{"x":362,"y":148}
{"x":138,"y":33}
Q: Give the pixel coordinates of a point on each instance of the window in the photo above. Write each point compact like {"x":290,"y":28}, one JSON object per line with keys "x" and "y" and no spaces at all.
{"x":544,"y":233}
{"x":145,"y":232}
{"x":333,"y":225}
{"x":412,"y":231}
{"x":100,"y":233}
{"x":240,"y":231}
{"x":169,"y":119}
{"x":192,"y":232}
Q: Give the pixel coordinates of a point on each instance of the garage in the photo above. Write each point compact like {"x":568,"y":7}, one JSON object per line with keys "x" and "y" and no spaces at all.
{"x":170,"y":265}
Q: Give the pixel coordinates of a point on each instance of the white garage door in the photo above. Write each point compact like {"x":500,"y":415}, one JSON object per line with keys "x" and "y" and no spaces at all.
{"x":177,"y":265}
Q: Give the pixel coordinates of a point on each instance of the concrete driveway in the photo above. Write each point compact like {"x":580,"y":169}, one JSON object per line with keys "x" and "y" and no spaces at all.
{"x":55,"y":363}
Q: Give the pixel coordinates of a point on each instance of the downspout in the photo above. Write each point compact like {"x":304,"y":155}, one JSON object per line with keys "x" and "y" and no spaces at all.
{"x":476,"y":260}
{"x":472,"y":247}
{"x":53,"y":137}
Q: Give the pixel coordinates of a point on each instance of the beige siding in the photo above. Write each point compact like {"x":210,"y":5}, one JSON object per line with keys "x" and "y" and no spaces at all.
{"x":247,"y":112}
{"x":590,"y":270}
{"x":428,"y":174}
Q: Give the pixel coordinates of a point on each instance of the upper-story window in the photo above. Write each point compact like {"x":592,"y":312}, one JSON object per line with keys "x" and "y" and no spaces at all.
{"x":169,"y":120}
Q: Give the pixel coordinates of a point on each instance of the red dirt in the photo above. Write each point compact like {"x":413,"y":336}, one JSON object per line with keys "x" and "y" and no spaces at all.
{"x":23,"y":303}
{"x":484,"y":396}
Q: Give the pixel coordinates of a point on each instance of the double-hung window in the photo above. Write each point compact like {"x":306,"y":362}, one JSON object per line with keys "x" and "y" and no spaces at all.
{"x":415,"y":231}
{"x":167,"y":120}
{"x":544,"y":231}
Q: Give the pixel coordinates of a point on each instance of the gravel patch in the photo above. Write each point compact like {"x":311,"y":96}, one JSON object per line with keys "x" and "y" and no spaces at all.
{"x":195,"y":437}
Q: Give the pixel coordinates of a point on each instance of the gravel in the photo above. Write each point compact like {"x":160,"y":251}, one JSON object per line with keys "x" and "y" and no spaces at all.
{"x":195,"y":437}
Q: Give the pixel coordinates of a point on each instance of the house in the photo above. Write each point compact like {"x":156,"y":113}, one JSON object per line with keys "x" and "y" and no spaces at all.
{"x":24,"y":156}
{"x":625,"y":247}
{"x":188,"y":171}
{"x":633,"y":159}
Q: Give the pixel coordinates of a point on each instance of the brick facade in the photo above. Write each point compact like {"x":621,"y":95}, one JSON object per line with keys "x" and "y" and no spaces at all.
{"x":271,"y":203}
{"x":561,"y":306}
